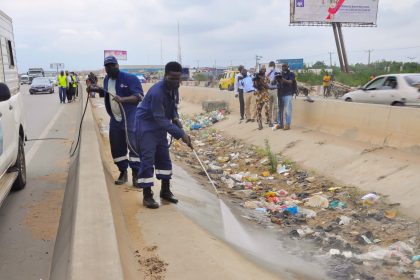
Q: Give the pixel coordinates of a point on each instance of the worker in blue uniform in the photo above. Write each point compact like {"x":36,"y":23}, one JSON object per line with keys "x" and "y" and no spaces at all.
{"x":156,"y":116}
{"x":121,"y":89}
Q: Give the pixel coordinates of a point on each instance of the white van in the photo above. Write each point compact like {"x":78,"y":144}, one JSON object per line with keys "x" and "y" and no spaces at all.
{"x":12,"y":128}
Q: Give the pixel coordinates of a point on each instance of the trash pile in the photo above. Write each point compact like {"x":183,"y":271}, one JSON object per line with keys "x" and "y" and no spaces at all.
{"x":361,"y":235}
{"x":203,"y":120}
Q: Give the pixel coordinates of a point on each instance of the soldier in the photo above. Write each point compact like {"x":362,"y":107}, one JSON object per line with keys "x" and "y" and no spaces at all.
{"x":261,"y":85}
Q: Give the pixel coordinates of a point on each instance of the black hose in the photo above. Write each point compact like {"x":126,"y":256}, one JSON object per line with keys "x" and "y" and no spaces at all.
{"x":80,"y":127}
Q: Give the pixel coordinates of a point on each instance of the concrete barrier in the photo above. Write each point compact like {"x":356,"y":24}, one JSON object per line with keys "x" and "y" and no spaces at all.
{"x":86,"y":245}
{"x":376,"y":124}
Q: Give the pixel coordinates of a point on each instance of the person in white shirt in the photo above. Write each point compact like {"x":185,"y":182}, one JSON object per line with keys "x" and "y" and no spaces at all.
{"x":273,"y":103}
{"x":69,"y":90}
{"x":239,"y":91}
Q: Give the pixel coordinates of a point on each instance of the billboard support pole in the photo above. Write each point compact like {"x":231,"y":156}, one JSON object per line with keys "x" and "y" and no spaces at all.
{"x":343,"y":48}
{"x":337,"y":43}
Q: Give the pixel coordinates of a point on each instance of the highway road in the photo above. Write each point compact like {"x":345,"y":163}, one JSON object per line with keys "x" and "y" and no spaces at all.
{"x":29,"y":218}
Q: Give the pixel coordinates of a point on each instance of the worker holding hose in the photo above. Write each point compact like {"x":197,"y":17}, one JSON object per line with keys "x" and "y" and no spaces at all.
{"x":156,"y":116}
{"x":125,"y":90}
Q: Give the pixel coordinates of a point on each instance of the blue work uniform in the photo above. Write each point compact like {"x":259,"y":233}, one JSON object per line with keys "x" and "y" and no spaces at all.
{"x":154,"y":117}
{"x":125,"y":85}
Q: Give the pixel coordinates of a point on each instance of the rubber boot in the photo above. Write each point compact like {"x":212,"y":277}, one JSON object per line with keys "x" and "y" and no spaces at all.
{"x":148,"y":199}
{"x":122,"y":179}
{"x":134,"y":172}
{"x":165,"y":192}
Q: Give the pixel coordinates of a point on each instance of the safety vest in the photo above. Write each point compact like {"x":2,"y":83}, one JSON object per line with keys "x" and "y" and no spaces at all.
{"x":62,"y":81}
{"x":74,"y":81}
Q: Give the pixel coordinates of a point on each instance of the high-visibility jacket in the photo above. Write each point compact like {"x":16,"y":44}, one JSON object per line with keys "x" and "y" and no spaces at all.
{"x":74,"y":81}
{"x":62,"y":81}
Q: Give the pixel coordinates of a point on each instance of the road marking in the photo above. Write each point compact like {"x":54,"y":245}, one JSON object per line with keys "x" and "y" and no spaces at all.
{"x":35,"y":147}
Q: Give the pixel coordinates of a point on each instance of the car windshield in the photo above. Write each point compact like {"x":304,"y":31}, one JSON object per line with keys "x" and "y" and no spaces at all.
{"x":44,"y":81}
{"x":413,"y":80}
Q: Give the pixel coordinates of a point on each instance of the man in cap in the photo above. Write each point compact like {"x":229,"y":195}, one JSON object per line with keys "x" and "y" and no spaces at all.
{"x":121,"y":90}
{"x":156,"y":116}
{"x":285,"y":91}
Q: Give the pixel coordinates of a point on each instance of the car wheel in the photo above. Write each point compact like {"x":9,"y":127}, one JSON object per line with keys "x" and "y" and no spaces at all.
{"x":348,"y":99}
{"x":397,"y":103}
{"x":230,"y":88}
{"x":220,"y":87}
{"x":21,"y":168}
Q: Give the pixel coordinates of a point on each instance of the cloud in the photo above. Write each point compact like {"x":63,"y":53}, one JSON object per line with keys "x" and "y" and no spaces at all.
{"x":218,"y":30}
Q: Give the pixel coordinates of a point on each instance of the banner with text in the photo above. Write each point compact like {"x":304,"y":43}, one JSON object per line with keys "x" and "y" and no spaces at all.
{"x":120,"y":55}
{"x":327,"y":11}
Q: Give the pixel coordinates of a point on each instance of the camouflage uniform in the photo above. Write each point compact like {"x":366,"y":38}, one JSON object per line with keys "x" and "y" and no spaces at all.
{"x":263,"y":99}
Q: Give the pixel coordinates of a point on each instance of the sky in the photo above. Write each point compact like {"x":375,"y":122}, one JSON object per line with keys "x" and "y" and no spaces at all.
{"x":213,"y":32}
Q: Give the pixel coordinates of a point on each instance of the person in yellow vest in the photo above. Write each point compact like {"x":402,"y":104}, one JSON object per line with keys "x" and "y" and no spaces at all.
{"x":326,"y":83}
{"x":62,"y":86}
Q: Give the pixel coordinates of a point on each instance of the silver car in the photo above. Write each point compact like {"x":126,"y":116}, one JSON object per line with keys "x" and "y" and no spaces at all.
{"x":391,"y":89}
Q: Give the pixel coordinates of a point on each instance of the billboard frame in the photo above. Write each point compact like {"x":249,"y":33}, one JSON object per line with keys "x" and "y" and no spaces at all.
{"x":322,"y":23}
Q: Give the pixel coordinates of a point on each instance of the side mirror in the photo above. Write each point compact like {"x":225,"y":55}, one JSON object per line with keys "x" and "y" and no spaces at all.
{"x":4,"y":92}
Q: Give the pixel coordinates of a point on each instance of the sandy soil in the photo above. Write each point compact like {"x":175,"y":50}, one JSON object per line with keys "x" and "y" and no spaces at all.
{"x":43,"y":217}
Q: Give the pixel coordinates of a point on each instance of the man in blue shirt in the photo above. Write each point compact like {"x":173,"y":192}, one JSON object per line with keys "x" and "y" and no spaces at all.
{"x":156,"y":116}
{"x":249,"y":92}
{"x":121,"y":89}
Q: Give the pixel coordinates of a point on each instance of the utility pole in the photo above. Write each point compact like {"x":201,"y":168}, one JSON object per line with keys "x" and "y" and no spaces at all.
{"x":161,"y":53}
{"x":179,"y":47}
{"x":369,"y":51}
{"x":331,"y":53}
{"x":257,"y":59}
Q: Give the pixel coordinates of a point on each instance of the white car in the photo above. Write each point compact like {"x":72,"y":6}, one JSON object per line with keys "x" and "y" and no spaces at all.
{"x":12,"y":125}
{"x":391,"y":89}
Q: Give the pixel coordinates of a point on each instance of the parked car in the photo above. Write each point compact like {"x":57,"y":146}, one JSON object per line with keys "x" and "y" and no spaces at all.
{"x":53,"y":81}
{"x":41,"y":85}
{"x":228,"y":80}
{"x":24,"y":79}
{"x":391,"y":89}
{"x":141,"y":78}
{"x":12,"y":124}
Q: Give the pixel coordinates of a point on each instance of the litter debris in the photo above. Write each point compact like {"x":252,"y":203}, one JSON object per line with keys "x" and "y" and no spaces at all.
{"x":307,"y":206}
{"x":390,"y":214}
{"x":370,"y":199}
{"x":336,"y":204}
{"x":317,"y":201}
{"x":344,"y":220}
{"x":281,"y":169}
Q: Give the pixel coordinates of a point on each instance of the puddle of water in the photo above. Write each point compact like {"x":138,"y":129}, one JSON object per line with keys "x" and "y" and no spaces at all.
{"x":261,"y":245}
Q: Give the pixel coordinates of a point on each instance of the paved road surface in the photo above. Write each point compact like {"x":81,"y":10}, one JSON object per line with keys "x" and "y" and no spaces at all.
{"x":29,"y":218}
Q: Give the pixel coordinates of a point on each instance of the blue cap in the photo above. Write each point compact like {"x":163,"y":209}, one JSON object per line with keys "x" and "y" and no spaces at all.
{"x":110,"y":60}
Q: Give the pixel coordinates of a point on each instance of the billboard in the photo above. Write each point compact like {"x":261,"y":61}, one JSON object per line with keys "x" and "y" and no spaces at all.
{"x":362,"y":12}
{"x":57,"y":65}
{"x":294,"y":64}
{"x":120,"y":55}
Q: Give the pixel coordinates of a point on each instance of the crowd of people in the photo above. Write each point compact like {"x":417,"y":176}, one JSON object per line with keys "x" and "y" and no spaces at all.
{"x":68,"y":86}
{"x":270,"y":90}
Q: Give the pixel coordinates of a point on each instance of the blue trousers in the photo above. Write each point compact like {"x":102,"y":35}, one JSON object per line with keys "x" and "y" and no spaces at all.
{"x":155,"y":158}
{"x":119,"y":148}
{"x":62,"y":94}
